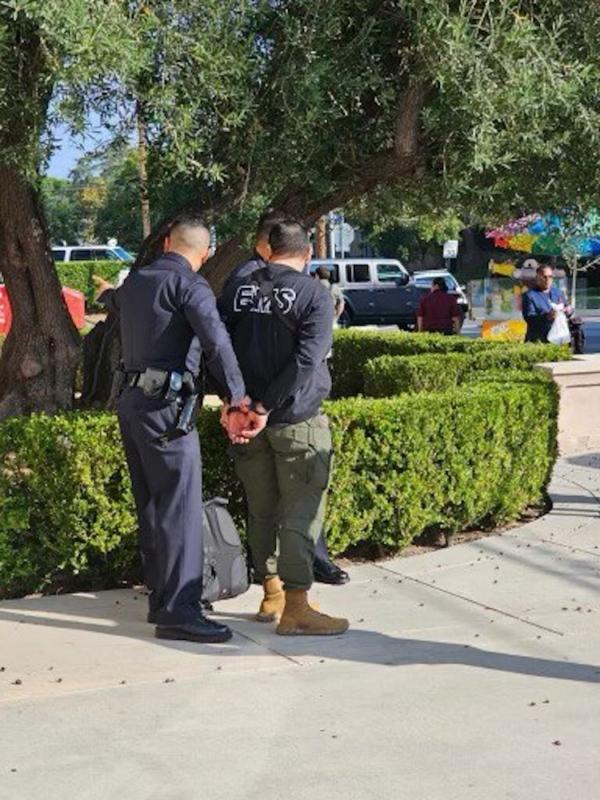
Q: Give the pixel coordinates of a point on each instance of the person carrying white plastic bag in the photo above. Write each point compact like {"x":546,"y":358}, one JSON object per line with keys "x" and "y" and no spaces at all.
{"x":545,"y":308}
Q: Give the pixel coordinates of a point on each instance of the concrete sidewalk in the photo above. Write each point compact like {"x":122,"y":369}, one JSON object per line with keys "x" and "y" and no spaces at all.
{"x":471,"y":672}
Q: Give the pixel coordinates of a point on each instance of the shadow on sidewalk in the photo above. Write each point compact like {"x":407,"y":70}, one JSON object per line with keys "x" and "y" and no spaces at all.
{"x":357,"y":646}
{"x":591,"y":460}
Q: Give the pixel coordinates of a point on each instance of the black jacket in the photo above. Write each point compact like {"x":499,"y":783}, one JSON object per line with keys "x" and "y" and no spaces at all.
{"x":283,"y":352}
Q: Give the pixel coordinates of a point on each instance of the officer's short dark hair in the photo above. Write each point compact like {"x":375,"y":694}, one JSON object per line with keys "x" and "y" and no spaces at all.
{"x":188,"y":219}
{"x":266,"y":222}
{"x":288,"y":237}
{"x":441,"y":284}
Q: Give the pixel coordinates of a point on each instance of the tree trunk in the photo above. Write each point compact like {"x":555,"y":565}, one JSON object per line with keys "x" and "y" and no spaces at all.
{"x":142,"y":153}
{"x":321,"y":238}
{"x":40,"y":355}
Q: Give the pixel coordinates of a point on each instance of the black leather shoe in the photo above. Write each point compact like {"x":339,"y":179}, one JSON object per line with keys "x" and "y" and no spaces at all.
{"x":201,"y":629}
{"x":328,"y":572}
{"x":152,"y":617}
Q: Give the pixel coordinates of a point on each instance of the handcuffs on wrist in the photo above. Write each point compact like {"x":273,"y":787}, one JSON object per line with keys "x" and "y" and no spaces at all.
{"x":252,"y":407}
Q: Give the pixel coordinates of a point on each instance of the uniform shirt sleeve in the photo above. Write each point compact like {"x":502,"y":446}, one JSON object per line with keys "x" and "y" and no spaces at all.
{"x":200,"y":310}
{"x":110,"y":300}
{"x":314,"y":342}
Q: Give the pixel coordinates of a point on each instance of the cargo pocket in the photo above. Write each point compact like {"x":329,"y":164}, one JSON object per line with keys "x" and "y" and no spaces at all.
{"x":322,"y":457}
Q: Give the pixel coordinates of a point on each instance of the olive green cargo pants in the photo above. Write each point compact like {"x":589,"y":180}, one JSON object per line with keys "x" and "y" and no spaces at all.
{"x":285,"y":472}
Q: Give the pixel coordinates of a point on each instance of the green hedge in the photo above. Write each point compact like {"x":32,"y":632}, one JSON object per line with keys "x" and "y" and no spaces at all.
{"x":403,"y":464}
{"x":390,"y":375}
{"x":353,"y":348}
{"x":78,"y":275}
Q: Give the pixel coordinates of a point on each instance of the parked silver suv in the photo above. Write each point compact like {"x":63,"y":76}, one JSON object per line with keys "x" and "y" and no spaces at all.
{"x":377,"y":291}
{"x":91,"y":252}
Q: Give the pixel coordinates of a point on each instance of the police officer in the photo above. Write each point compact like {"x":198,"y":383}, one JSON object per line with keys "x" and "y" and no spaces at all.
{"x":280,"y":322}
{"x":163,"y":308}
{"x":325,"y":570}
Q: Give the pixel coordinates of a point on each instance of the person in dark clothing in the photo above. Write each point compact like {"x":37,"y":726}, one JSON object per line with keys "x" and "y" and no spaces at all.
{"x":539,"y":303}
{"x":325,"y":570}
{"x":438,"y":311}
{"x":280,"y":321}
{"x":162,"y":309}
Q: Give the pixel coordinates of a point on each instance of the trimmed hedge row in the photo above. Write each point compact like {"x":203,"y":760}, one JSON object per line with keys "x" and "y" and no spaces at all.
{"x":78,"y":275}
{"x":403,"y":464}
{"x":352,"y":349}
{"x":391,"y":375}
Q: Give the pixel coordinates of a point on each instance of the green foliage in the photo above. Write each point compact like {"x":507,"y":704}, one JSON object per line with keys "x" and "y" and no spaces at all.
{"x":353,"y":348}
{"x":65,"y":213}
{"x":390,"y":375}
{"x":78,"y":275}
{"x":461,"y":458}
{"x":449,"y":460}
{"x":66,"y":510}
{"x":67,"y":51}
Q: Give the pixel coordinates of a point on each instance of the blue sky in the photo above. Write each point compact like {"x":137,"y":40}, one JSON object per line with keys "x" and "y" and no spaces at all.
{"x":63,"y":160}
{"x":69,"y":149}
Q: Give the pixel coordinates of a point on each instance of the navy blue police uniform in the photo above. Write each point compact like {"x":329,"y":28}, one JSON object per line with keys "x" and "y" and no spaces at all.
{"x":169,"y":320}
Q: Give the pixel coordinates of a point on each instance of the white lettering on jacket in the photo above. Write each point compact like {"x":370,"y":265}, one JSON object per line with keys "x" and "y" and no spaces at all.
{"x":248,"y":298}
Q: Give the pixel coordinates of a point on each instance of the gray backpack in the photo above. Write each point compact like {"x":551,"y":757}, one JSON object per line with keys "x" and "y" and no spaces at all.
{"x":225,"y":568}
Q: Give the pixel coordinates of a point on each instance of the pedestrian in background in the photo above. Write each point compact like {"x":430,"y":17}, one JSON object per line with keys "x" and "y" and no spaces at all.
{"x":337,"y":296}
{"x":541,"y":303}
{"x":438,"y":311}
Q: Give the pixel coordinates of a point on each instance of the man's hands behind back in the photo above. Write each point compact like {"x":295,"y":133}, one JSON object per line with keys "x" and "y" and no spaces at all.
{"x":242,"y":424}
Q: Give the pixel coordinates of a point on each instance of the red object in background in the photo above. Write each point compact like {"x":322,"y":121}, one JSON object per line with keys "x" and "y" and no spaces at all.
{"x":75,"y":303}
{"x":5,"y":315}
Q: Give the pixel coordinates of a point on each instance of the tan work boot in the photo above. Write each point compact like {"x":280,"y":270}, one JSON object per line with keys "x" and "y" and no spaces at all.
{"x":273,"y":601}
{"x":299,"y":619}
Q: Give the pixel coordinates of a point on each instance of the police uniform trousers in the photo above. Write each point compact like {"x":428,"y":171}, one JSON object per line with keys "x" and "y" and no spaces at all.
{"x":285,"y":471}
{"x":166,"y":478}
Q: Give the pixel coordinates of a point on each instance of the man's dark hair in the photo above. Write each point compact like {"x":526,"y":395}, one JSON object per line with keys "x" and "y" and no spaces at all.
{"x":266,"y":222}
{"x":323,"y":273}
{"x":542,"y":267}
{"x":288,"y":238}
{"x":441,"y":284}
{"x":188,"y":219}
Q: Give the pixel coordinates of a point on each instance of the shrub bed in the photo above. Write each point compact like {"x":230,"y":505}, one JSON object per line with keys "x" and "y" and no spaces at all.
{"x":390,"y":375}
{"x":352,"y":349}
{"x":456,"y":459}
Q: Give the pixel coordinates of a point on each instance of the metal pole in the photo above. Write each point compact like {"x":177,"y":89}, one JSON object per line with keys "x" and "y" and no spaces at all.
{"x":574,"y":283}
{"x":331,"y":224}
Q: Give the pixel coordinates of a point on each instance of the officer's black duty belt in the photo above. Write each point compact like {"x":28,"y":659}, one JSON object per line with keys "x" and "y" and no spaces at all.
{"x":151,"y":379}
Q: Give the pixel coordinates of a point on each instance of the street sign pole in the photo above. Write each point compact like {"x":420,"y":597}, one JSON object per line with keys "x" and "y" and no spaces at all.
{"x":331,"y":226}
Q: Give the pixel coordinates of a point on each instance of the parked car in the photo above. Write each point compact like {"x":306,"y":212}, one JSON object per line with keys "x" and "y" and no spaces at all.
{"x":92,"y":252}
{"x":423,"y":280}
{"x":377,"y":291}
